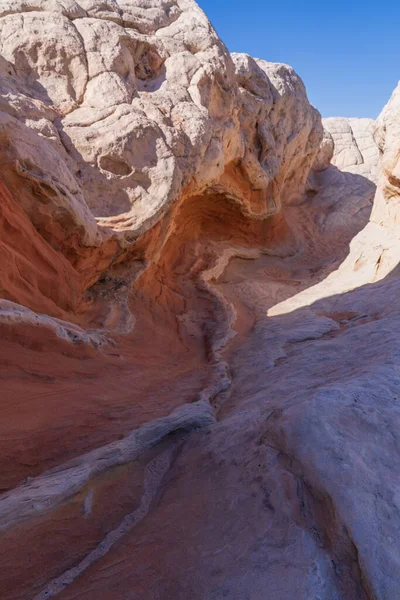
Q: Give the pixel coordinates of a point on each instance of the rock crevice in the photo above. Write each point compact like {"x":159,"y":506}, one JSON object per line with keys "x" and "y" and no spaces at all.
{"x":198,"y":383}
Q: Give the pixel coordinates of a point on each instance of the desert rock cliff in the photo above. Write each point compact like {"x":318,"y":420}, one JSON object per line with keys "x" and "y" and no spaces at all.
{"x":199,"y":340}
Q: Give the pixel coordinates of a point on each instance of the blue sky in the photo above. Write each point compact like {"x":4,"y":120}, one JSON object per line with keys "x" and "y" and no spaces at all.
{"x":346,"y":52}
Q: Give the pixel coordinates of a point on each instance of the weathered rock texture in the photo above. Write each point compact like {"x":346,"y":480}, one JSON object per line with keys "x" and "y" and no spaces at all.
{"x":199,"y":344}
{"x":355,"y":148}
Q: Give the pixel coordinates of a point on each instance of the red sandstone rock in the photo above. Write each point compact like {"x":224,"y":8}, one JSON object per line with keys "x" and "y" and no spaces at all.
{"x":183,"y":248}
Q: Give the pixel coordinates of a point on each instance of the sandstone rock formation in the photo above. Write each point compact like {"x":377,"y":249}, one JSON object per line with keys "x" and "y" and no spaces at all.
{"x":198,"y":335}
{"x":355,"y":148}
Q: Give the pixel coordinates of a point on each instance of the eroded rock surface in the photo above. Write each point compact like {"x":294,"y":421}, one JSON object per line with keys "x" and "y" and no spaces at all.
{"x":355,"y":147}
{"x":199,"y":341}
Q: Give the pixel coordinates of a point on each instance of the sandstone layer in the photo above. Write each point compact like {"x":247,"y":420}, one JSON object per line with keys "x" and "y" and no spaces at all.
{"x":199,"y":339}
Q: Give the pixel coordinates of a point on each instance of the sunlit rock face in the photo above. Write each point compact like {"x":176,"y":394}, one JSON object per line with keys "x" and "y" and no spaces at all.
{"x":137,"y":105}
{"x":198,"y":338}
{"x":387,"y":134}
{"x":355,"y":148}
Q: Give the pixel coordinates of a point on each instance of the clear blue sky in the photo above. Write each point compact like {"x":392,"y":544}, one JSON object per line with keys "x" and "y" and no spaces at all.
{"x":346,"y":52}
